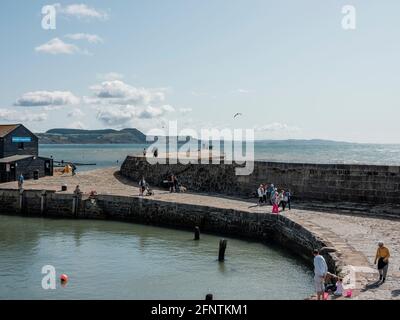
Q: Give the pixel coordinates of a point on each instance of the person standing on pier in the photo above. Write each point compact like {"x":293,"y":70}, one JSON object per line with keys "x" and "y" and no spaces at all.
{"x":288,"y":197}
{"x":21,"y":181}
{"x":382,"y":257}
{"x":269,"y":192}
{"x":264,"y":185}
{"x":283,"y":200}
{"x":142,"y":186}
{"x":320,"y":271}
{"x":260,"y":192}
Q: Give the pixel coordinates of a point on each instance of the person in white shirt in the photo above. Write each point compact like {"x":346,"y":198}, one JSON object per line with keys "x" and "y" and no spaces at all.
{"x":320,"y":271}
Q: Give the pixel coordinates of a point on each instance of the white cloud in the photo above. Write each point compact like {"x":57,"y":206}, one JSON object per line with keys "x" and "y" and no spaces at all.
{"x":110,"y":76}
{"x":76,"y":125}
{"x":91,"y":38}
{"x":154,"y":112}
{"x":47,"y":98}
{"x":57,"y":46}
{"x":277,"y":127}
{"x":81,"y":11}
{"x":76,"y":113}
{"x":12,"y":115}
{"x":118,"y":92}
{"x":243,"y":91}
{"x":52,"y":108}
{"x":185,"y":110}
{"x":116,"y":116}
{"x":124,"y":115}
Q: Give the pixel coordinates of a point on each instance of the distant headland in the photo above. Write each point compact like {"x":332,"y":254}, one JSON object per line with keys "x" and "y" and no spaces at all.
{"x":80,"y":136}
{"x":133,"y":136}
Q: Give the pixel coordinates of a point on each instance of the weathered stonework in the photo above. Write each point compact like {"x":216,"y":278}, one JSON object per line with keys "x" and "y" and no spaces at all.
{"x":323,"y":182}
{"x":263,"y":227}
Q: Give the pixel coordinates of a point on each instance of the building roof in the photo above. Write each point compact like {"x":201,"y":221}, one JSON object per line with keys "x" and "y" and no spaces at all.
{"x":5,"y":129}
{"x":15,"y":158}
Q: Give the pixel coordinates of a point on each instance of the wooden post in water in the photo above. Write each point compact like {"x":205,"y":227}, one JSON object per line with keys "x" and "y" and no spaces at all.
{"x":196,"y":233}
{"x":209,"y":297}
{"x":222,"y":248}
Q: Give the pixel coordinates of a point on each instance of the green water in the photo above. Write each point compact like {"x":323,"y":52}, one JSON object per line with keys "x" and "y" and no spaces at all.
{"x":116,"y":260}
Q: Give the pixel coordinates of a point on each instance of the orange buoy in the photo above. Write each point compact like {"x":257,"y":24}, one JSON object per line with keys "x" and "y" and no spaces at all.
{"x":64,"y":278}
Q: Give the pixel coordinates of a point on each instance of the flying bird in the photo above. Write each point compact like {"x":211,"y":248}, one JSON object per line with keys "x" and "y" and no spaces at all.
{"x":237,"y":114}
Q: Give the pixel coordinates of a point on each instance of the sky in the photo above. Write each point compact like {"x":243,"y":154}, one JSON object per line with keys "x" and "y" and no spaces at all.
{"x":289,"y":67}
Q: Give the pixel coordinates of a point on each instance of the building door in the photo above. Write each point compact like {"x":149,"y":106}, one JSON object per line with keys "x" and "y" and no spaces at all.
{"x":3,"y":173}
{"x":48,"y":168}
{"x":12,"y":174}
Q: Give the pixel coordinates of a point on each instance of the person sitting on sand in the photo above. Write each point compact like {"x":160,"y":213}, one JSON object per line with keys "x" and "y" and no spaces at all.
{"x":382,"y":256}
{"x":339,"y":288}
{"x":330,"y":282}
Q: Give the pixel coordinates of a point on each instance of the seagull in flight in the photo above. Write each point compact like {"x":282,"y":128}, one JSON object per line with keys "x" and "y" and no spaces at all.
{"x":237,"y":114}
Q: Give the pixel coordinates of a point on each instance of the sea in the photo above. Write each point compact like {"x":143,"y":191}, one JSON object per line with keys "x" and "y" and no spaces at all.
{"x":93,"y":156}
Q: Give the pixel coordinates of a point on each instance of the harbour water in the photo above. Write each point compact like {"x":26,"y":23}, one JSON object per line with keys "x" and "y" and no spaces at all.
{"x":115,"y":260}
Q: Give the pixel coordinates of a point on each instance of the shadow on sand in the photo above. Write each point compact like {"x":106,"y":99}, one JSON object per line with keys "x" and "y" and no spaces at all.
{"x":396,"y":293}
{"x":373,"y":285}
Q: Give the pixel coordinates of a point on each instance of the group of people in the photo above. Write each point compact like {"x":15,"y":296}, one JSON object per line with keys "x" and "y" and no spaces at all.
{"x":277,"y":198}
{"x":325,"y":281}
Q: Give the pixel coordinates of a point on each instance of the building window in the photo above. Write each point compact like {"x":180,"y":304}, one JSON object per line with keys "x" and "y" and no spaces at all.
{"x":21,"y":146}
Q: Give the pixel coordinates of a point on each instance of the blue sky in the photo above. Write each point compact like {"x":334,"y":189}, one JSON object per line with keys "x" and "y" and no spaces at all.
{"x":288,"y":66}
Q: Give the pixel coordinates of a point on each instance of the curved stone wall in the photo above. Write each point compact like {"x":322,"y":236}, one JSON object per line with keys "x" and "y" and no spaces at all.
{"x":323,"y":182}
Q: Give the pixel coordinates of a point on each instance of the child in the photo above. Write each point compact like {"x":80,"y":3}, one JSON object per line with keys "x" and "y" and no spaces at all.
{"x":339,"y":287}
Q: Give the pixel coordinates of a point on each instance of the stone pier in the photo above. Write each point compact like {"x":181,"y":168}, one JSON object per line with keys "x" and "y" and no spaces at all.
{"x":350,"y":238}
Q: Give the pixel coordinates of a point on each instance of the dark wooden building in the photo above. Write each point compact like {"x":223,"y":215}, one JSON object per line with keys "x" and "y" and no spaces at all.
{"x":19,"y":154}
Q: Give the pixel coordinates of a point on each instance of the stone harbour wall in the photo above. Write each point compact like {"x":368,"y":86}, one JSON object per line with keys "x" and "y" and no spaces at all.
{"x":321,"y":182}
{"x":262,"y":227}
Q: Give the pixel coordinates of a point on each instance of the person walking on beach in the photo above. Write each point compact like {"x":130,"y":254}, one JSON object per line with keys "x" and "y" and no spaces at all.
{"x":21,"y":181}
{"x":382,"y":257}
{"x":320,"y":271}
{"x":260,"y":192}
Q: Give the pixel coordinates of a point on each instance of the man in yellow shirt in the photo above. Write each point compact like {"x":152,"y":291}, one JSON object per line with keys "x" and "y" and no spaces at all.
{"x":382,"y":257}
